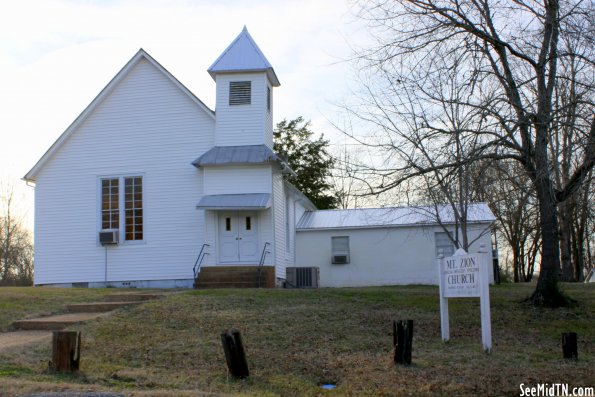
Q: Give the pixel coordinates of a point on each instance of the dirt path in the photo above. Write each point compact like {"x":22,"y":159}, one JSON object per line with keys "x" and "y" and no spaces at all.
{"x":40,"y":329}
{"x":20,"y":338}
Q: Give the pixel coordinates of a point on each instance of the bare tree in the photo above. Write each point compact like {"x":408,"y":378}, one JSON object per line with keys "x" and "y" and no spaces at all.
{"x":16,"y":248}
{"x":572,"y":117}
{"x":348,"y":189}
{"x":507,"y":54}
{"x":423,"y":123}
{"x":512,"y":200}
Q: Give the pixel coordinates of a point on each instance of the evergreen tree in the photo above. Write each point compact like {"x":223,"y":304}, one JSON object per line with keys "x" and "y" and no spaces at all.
{"x":309,"y":158}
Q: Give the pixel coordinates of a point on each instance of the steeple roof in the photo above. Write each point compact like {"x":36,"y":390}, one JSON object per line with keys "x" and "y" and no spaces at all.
{"x":243,"y":55}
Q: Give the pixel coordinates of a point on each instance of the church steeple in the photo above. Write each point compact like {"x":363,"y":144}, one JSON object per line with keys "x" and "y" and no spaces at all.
{"x":243,"y":55}
{"x":245,"y":81}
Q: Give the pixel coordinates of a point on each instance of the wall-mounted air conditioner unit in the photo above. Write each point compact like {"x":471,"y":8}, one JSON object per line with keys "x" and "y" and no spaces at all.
{"x":340,"y":250}
{"x":108,"y":237}
{"x":340,"y":259}
{"x":303,"y":277}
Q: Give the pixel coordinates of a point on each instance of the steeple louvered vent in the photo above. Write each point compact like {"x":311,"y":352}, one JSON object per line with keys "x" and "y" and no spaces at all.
{"x":240,"y":93}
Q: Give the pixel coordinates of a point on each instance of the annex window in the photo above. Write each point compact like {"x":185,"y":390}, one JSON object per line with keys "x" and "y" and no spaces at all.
{"x":444,"y":244}
{"x":340,"y":250}
{"x":269,"y":99}
{"x":110,"y":204}
{"x":133,"y":207}
{"x":228,"y":224}
{"x":240,"y":93}
{"x":248,"y":223}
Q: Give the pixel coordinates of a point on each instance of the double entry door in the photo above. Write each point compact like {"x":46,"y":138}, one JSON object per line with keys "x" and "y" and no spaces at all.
{"x":238,"y":237}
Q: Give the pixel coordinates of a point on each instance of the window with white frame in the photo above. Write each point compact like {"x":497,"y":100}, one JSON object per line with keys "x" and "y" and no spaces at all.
{"x":112,"y":211}
{"x":340,"y":250}
{"x":444,"y":244}
{"x":110,"y":204}
{"x":133,"y":207}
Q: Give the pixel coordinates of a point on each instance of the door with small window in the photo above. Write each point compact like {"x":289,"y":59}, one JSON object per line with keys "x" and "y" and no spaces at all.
{"x":238,"y":237}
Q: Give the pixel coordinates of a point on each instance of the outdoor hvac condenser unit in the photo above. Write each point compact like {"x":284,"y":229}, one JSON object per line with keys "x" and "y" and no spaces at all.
{"x":108,"y":237}
{"x":302,"y":277}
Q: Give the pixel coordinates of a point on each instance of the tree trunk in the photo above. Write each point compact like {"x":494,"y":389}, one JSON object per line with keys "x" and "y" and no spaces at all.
{"x":235,"y":356}
{"x":66,"y":351}
{"x":579,"y":255}
{"x":581,"y":234}
{"x":515,"y":265}
{"x":532,"y":257}
{"x":547,"y":292}
{"x":565,"y":236}
{"x":403,"y":341}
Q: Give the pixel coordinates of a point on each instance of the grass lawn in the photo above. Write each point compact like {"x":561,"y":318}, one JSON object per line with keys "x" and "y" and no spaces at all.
{"x":296,"y":340}
{"x":18,"y":303}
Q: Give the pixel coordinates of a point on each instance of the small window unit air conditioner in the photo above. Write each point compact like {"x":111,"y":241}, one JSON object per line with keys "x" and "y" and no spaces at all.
{"x":340,"y":250}
{"x":108,"y":237}
{"x":302,"y":277}
{"x":340,"y":259}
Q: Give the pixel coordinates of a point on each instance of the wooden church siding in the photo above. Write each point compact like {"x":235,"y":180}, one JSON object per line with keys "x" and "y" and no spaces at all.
{"x":237,"y":179}
{"x":279,"y":224}
{"x":148,"y":127}
{"x":210,"y":230}
{"x":242,"y":124}
{"x":380,"y":255}
{"x":268,"y":116}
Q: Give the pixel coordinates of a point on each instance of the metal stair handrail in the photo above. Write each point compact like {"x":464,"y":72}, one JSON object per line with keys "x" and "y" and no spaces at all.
{"x":199,"y":259}
{"x":262,"y":258}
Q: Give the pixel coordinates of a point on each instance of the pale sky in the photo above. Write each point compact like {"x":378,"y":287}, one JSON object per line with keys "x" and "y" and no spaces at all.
{"x":57,"y":55}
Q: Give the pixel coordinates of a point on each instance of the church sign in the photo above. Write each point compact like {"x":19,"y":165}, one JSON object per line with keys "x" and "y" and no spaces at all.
{"x":461,"y":276}
{"x":465,"y":276}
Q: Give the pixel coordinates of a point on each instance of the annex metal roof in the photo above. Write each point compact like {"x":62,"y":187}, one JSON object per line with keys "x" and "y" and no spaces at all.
{"x":390,"y":217}
{"x":247,"y":154}
{"x":243,"y":55}
{"x":249,"y":201}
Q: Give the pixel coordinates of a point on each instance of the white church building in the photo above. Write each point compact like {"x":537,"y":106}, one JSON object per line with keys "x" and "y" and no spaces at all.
{"x":148,"y":187}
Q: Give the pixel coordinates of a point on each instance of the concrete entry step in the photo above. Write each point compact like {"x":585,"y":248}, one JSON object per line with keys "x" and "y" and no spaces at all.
{"x":132,"y":297}
{"x":235,"y":277}
{"x":83,"y":311}
{"x":99,"y":307}
{"x":54,"y":323}
{"x":227,"y":284}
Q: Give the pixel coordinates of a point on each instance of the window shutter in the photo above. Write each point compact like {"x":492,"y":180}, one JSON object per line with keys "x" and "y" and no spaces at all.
{"x":240,"y":93}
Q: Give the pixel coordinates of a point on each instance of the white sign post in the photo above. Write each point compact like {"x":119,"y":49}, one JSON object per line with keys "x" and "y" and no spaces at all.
{"x":461,"y":276}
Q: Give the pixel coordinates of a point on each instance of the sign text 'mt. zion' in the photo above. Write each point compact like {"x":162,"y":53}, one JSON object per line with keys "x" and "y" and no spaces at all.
{"x":461,"y":276}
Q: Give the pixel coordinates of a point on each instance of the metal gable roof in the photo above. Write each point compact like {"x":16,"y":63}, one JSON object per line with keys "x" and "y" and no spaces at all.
{"x":243,"y":55}
{"x":390,"y":217}
{"x":246,"y":154}
{"x":141,"y":54}
{"x":235,"y":201}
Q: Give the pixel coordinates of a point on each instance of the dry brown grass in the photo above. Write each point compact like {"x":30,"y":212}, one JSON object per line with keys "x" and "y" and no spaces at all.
{"x":297,"y":339}
{"x":18,"y":303}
